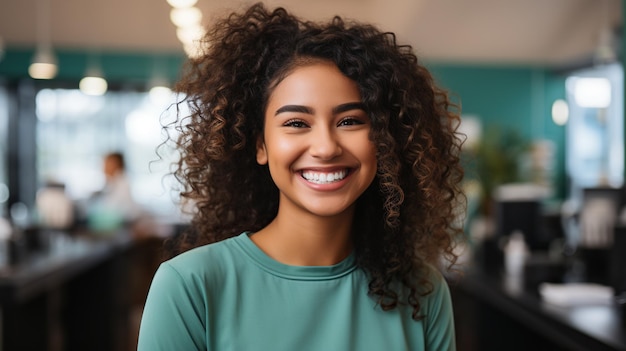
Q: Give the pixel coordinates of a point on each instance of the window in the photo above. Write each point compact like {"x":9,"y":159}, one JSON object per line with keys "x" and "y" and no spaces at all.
{"x":595,"y":137}
{"x":75,"y":131}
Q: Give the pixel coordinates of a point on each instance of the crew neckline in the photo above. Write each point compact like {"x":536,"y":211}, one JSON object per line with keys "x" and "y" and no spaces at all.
{"x":274,"y":267}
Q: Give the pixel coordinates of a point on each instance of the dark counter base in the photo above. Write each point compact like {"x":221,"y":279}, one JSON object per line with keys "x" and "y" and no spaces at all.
{"x":82,"y":302}
{"x":488,"y":317}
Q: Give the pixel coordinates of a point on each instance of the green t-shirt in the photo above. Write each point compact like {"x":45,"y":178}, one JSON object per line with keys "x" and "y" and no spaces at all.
{"x":231,"y":296}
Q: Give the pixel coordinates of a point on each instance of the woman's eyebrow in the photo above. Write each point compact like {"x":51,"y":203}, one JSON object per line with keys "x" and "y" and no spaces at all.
{"x":348,"y":107}
{"x":308,"y":110}
{"x":294,"y":108}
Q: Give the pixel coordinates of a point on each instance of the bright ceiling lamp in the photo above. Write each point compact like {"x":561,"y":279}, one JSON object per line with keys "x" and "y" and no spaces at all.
{"x":158,"y":85}
{"x":560,"y":112}
{"x":181,"y":3}
{"x":188,"y":21}
{"x":44,"y":65}
{"x":159,"y":90}
{"x":160,"y":93}
{"x":189,"y":29}
{"x":592,"y":92}
{"x":186,"y":16}
{"x":193,"y":50}
{"x":93,"y":83}
{"x":190,"y":35}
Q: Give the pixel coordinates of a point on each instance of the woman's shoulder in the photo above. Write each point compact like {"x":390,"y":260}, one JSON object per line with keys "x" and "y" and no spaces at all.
{"x":433,"y":274}
{"x":211,"y":258}
{"x":437,"y":288}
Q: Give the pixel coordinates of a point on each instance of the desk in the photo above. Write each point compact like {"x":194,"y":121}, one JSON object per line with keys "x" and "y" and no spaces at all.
{"x":73,"y":296}
{"x":494,"y":313}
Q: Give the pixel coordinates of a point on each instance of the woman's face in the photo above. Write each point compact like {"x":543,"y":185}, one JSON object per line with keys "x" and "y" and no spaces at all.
{"x":316,"y":141}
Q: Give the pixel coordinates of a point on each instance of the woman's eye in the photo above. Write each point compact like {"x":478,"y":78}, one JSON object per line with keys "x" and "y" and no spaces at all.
{"x":350,"y":121}
{"x":295,"y":123}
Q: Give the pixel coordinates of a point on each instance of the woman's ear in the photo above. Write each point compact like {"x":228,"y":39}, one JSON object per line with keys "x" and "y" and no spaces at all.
{"x":261,"y":152}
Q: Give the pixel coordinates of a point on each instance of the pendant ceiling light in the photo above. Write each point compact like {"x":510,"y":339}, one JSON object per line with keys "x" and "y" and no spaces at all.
{"x":605,"y":52}
{"x":188,"y":21}
{"x":44,"y":65}
{"x":182,"y":3}
{"x":93,"y":83}
{"x":158,"y":85}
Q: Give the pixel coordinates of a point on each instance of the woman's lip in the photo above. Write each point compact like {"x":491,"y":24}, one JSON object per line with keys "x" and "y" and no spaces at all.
{"x":324,"y":169}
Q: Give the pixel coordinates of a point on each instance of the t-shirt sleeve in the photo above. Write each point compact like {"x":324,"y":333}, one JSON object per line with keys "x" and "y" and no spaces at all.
{"x":440,"y":335}
{"x":173,"y":316}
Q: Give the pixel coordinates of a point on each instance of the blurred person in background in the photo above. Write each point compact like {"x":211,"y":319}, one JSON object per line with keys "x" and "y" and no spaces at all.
{"x":117,"y":192}
{"x":114,"y":205}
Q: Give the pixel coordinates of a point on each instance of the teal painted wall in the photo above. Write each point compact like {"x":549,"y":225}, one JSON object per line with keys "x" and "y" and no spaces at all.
{"x":117,"y":67}
{"x":510,"y":97}
{"x":516,"y":98}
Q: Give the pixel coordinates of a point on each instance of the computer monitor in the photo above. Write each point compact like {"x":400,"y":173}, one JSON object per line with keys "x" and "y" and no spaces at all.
{"x":524,"y":216}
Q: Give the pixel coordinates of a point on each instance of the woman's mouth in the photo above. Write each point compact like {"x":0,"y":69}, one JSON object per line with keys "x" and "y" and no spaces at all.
{"x":318,"y":177}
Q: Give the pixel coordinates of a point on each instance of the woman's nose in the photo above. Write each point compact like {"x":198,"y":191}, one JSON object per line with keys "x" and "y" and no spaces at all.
{"x":325,"y":144}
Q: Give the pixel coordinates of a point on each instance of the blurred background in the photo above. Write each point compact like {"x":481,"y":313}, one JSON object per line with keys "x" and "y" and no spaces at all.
{"x":541,"y":89}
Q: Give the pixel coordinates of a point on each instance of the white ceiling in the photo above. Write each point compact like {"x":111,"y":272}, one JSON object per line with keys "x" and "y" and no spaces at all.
{"x":506,"y":31}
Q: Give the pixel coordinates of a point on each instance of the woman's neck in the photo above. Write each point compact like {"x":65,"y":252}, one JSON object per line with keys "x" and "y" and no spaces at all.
{"x":306,"y":240}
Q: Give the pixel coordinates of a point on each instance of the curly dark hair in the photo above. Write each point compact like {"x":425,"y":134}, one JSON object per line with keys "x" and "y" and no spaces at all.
{"x":408,"y":217}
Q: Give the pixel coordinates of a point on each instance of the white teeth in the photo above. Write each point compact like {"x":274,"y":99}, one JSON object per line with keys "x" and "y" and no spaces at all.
{"x":324,"y":178}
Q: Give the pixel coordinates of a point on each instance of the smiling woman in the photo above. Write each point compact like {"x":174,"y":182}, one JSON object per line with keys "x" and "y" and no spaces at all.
{"x":323,"y":165}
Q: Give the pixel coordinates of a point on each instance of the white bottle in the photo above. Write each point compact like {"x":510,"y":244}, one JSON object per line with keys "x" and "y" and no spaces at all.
{"x":515,"y":253}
